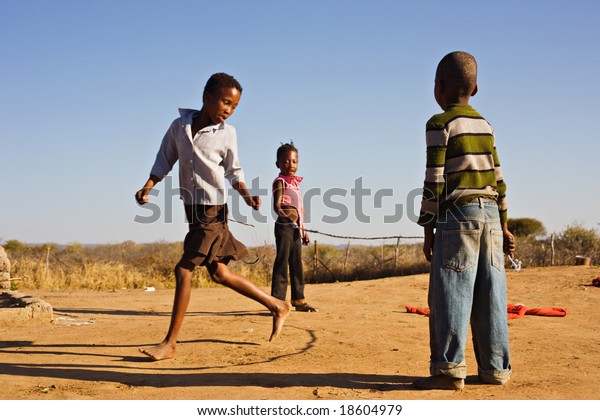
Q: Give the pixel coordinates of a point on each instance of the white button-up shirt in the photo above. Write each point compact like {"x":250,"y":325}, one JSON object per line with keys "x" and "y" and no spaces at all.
{"x":205,"y":160}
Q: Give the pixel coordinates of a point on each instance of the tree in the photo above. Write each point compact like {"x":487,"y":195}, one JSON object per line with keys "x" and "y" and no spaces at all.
{"x":74,"y":248}
{"x":525,"y":227}
{"x":14,"y":247}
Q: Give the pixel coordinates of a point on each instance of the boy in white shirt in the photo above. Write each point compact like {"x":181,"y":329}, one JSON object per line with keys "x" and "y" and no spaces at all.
{"x":206,"y":148}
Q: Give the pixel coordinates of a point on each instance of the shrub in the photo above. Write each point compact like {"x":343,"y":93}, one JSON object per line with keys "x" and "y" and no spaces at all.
{"x":577,"y":240}
{"x":133,"y":265}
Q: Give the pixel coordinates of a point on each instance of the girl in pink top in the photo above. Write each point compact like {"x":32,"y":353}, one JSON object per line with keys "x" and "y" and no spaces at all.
{"x":290,"y":234}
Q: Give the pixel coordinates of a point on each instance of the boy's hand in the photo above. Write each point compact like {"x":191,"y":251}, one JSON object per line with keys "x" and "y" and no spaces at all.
{"x":508,"y":246}
{"x":253,"y":201}
{"x":305,"y":238}
{"x":428,"y":243}
{"x":142,"y":196}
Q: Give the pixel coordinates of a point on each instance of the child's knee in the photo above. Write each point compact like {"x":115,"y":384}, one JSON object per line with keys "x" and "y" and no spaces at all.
{"x":218,"y":273}
{"x":185,"y":265}
{"x":217,"y":278}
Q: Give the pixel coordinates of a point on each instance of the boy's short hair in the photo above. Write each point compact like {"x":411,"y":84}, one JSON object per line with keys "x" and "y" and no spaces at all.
{"x":221,"y":80}
{"x":284,"y":148}
{"x":459,"y":71}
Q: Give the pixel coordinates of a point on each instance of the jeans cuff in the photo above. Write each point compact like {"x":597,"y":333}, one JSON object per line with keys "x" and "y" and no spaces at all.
{"x":454,"y":370}
{"x":495,"y":377}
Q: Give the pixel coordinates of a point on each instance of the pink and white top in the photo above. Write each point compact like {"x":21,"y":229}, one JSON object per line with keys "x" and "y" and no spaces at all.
{"x":291,"y":194}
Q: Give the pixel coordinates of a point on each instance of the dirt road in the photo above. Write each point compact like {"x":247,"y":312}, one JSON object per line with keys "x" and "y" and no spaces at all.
{"x":362,"y":344}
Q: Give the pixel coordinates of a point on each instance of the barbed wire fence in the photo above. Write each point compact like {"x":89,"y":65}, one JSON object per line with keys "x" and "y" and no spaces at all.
{"x":339,"y":270}
{"x":575,"y":246}
{"x":317,"y":261}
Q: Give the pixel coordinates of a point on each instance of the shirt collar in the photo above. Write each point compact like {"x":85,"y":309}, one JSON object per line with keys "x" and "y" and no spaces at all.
{"x":290,"y":179}
{"x":187,"y":114}
{"x":457,"y":105}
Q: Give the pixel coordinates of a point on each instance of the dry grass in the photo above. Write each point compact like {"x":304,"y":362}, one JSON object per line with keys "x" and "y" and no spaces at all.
{"x":135,"y":266}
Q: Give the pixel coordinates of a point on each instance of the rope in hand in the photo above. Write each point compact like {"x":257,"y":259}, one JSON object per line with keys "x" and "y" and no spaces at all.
{"x":515,"y":264}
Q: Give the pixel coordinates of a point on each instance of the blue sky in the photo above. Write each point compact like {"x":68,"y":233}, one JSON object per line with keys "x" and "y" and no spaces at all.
{"x":88,"y":89}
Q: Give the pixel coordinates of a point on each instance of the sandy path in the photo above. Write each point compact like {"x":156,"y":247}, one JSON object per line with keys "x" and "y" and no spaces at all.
{"x":362,"y":344}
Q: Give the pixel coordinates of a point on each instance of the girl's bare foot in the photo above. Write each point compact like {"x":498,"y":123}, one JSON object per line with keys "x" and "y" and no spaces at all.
{"x":161,"y":351}
{"x":440,"y":382}
{"x":279,"y":316}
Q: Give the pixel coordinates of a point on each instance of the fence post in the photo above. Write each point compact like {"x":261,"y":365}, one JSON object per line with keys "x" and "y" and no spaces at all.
{"x":316,"y":259}
{"x":47,"y":262}
{"x":346,"y":259}
{"x":552,"y":245}
{"x":396,"y":255}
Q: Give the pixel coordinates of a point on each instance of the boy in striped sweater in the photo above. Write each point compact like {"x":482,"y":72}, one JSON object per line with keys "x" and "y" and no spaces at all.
{"x":464,"y":216}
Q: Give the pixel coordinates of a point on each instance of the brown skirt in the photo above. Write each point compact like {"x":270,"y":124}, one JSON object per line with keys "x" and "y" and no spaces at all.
{"x":209,"y":239}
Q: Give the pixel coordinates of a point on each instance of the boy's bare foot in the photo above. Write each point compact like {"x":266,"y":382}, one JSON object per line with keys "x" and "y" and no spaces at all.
{"x":161,"y":351}
{"x":279,"y":316}
{"x":440,"y":382}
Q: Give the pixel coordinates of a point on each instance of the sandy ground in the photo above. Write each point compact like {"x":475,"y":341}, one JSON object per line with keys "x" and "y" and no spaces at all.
{"x":361,"y":345}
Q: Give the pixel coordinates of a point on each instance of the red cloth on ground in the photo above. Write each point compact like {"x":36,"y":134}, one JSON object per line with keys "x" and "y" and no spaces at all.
{"x":415,"y":310}
{"x":547,"y":311}
{"x":513,"y":311}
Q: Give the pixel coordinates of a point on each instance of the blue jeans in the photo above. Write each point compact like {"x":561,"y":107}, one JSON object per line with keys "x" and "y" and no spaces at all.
{"x":468,"y":284}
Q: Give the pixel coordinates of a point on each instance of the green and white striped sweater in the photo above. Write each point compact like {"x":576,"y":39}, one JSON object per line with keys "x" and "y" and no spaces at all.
{"x":462,"y":163}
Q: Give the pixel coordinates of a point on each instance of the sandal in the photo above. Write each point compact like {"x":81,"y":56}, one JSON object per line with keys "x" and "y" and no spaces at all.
{"x":305,"y":307}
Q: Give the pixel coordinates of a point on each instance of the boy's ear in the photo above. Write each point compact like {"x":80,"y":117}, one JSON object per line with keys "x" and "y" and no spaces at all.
{"x":441,"y":84}
{"x":474,"y":90}
{"x":277,"y":163}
